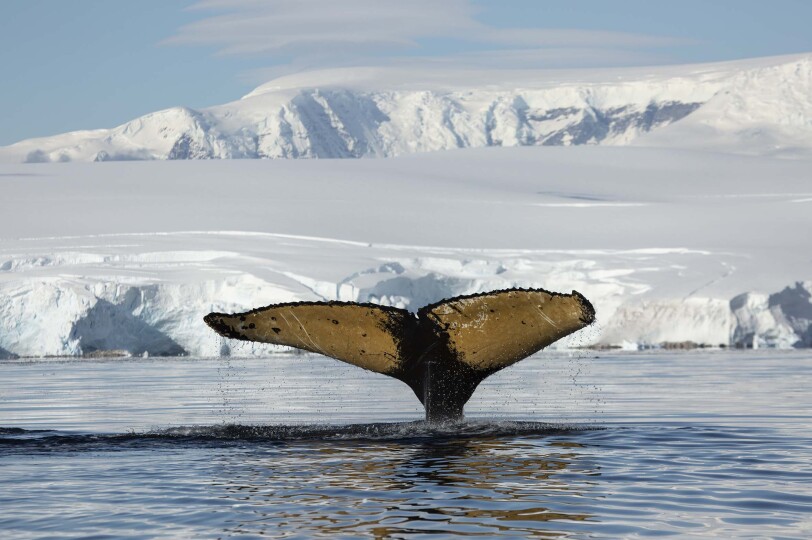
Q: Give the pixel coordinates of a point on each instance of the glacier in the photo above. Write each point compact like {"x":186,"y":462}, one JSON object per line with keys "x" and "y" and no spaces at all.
{"x":671,"y":245}
{"x":757,"y":106}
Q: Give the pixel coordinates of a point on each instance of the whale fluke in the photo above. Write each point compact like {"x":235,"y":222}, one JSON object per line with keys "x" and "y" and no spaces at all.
{"x":442,"y":353}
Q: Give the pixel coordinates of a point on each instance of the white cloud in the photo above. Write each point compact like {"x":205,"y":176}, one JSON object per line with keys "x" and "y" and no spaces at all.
{"x":320,"y":33}
{"x":306,"y":26}
{"x":558,"y":57}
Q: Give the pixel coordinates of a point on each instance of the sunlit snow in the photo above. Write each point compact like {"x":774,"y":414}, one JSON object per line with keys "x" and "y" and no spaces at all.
{"x":670,"y":245}
{"x":759,"y":106}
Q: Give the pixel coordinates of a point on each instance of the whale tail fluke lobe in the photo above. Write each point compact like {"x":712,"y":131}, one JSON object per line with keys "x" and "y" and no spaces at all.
{"x":364,"y":335}
{"x":442,"y":353}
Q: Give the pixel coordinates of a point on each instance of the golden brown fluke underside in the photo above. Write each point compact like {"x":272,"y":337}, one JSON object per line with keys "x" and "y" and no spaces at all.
{"x":448,"y":348}
{"x":364,"y":335}
{"x":491,"y":331}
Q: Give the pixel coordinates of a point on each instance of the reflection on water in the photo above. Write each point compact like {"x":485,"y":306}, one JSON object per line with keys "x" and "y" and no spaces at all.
{"x":473,"y":487}
{"x":686,"y":445}
{"x":501,"y":479}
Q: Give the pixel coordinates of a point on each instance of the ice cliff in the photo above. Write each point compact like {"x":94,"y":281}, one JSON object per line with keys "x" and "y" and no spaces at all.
{"x":112,"y":297}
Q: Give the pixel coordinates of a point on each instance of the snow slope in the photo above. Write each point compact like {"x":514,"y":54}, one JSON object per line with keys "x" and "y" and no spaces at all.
{"x":760,"y":106}
{"x":670,"y":245}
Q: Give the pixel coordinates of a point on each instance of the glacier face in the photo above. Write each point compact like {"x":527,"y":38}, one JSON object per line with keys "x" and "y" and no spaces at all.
{"x":114,"y":298}
{"x":782,"y":319}
{"x":341,"y":116}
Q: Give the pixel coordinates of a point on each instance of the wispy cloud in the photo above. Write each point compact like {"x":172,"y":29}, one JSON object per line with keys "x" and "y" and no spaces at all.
{"x":328,"y":33}
{"x":308,"y":26}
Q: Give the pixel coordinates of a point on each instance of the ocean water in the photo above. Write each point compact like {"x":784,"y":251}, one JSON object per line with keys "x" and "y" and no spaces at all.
{"x":704,"y":444}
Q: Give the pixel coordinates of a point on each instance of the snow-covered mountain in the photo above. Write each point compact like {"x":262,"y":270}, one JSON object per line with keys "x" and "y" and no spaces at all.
{"x":761,"y":106}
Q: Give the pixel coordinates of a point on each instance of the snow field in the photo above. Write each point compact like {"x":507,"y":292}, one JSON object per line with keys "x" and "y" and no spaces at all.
{"x":669,"y":245}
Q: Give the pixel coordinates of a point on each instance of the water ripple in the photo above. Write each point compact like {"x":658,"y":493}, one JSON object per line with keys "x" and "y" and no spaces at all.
{"x":682,"y":461}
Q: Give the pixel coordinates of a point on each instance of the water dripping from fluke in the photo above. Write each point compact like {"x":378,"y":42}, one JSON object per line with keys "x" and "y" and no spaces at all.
{"x":443,"y":352}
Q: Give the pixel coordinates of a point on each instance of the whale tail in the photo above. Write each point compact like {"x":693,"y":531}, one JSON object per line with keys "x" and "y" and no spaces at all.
{"x":442,"y":353}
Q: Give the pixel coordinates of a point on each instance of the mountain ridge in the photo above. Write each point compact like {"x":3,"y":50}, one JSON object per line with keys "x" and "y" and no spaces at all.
{"x":761,"y":106}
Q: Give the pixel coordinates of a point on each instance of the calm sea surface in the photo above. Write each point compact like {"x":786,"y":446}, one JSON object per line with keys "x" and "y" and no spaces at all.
{"x":589,"y":445}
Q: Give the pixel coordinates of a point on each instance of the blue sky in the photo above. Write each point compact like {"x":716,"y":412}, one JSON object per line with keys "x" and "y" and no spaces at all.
{"x":84,"y":64}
